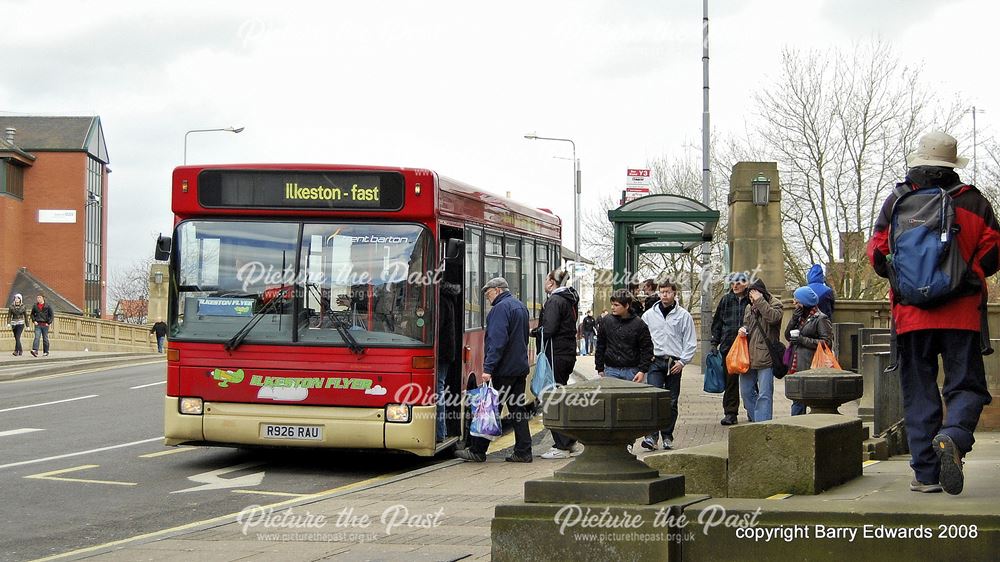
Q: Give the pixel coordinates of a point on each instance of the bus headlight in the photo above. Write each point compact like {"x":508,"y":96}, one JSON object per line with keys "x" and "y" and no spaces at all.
{"x":397,"y":413}
{"x":191,"y":406}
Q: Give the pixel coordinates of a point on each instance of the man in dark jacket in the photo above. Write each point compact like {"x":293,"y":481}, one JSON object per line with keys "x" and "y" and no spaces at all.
{"x":41,"y":316}
{"x":506,"y":364}
{"x":952,"y":329}
{"x":624,"y":347}
{"x":589,"y":328}
{"x":160,"y":329}
{"x":726,"y":324}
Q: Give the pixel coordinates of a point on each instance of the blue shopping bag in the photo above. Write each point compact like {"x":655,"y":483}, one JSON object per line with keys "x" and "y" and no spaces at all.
{"x":485,"y":404}
{"x":715,"y":376}
{"x":545,"y":376}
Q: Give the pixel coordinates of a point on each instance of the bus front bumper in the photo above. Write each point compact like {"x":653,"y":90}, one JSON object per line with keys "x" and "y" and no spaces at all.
{"x":224,"y":423}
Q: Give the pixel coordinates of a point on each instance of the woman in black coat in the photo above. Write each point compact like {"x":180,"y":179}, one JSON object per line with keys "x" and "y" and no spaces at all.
{"x":557,"y":329}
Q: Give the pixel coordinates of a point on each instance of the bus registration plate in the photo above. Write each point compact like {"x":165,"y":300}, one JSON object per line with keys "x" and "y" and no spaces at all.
{"x":280,"y":431}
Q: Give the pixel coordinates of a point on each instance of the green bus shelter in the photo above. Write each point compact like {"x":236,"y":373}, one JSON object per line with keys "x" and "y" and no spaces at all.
{"x":658,"y":224}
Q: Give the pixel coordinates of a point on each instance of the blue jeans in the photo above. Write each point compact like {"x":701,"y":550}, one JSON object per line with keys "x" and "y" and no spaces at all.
{"x":159,"y":343}
{"x":660,"y":377}
{"x":42,"y":333}
{"x":590,"y":343}
{"x":623,"y":373}
{"x":798,"y":408}
{"x":757,"y":389}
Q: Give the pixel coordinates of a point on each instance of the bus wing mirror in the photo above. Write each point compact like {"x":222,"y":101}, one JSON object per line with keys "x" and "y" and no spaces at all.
{"x":453,"y":250}
{"x":162,"y":250}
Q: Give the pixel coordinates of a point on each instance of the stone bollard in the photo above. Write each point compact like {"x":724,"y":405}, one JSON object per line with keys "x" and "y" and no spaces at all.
{"x":604,"y":484}
{"x":823,"y":390}
{"x":847,"y":346}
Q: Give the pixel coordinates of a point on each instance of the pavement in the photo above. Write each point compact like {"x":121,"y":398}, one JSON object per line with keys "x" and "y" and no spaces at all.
{"x":443,"y":512}
{"x":61,"y":362}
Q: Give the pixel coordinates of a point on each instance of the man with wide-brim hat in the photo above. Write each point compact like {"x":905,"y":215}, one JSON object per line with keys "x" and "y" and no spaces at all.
{"x":505,"y":363}
{"x":952,"y":329}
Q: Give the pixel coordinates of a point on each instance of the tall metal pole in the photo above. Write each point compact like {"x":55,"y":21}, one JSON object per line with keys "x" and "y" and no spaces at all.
{"x":576,"y":206}
{"x":706,"y":248}
{"x":975,"y":145}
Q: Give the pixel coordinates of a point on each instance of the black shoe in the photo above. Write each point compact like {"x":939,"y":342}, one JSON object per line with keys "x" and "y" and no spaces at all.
{"x":952,"y":479}
{"x":648,"y":444}
{"x":518,"y":458}
{"x":469,"y":455}
{"x":730,"y":419}
{"x":34,"y":353}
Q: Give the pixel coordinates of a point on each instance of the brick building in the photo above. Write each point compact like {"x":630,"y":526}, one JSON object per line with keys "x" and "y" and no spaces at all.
{"x":53,"y":211}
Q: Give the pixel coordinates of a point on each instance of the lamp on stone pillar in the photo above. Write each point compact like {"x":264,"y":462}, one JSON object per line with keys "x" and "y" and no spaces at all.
{"x":158,"y":277}
{"x":761,"y":190}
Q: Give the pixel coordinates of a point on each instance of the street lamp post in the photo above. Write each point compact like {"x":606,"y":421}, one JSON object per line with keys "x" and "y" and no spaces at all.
{"x":226,"y":130}
{"x":975,"y":161}
{"x":576,"y":193}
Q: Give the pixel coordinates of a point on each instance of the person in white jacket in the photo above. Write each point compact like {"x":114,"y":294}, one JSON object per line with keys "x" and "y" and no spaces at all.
{"x":674,"y":345}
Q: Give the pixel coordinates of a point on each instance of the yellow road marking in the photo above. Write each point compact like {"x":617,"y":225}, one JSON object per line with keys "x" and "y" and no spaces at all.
{"x":779,"y":496}
{"x":869,"y":463}
{"x":221,"y":518}
{"x":263,"y":493}
{"x":504,"y":441}
{"x":168,"y":452}
{"x":51,"y":476}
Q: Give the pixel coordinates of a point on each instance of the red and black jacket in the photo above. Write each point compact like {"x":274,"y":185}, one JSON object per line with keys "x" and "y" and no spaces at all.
{"x":979,"y":242}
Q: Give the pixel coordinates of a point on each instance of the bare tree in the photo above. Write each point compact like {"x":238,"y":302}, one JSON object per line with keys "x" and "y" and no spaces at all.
{"x":128,"y":290}
{"x":840,"y":126}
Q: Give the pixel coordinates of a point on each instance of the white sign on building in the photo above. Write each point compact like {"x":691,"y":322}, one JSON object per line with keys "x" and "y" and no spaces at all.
{"x":64,"y":216}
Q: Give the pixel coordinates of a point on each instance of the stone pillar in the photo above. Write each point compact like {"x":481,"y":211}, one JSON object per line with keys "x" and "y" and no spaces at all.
{"x":754,"y":237}
{"x":159,"y":283}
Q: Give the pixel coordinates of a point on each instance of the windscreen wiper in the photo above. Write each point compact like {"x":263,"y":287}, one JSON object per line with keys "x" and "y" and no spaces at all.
{"x":243,"y":332}
{"x":345,"y":332}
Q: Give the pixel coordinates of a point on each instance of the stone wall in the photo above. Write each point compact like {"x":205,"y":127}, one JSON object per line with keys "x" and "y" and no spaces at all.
{"x":78,"y":333}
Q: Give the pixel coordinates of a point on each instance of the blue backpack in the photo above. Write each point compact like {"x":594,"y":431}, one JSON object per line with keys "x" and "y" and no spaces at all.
{"x":926,"y":267}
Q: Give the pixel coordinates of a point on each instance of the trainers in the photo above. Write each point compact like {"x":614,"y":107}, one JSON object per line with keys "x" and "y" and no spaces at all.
{"x":924,"y":487}
{"x":46,"y":354}
{"x":34,"y":353}
{"x":629,"y":448}
{"x":555,"y":453}
{"x":469,"y":455}
{"x":518,"y":458}
{"x":952,"y":479}
{"x":730,"y":419}
{"x":668,"y":444}
{"x":577,"y":450}
{"x":649,"y":444}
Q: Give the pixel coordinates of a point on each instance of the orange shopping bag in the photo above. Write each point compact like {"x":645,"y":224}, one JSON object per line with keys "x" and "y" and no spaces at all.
{"x":824,"y":358}
{"x":738,"y":358}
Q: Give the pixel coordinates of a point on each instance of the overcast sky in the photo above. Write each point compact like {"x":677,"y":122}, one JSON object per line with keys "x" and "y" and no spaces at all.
{"x":450,"y":86}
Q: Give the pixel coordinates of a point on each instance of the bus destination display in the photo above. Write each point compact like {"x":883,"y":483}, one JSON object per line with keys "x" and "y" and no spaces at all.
{"x":381,"y":191}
